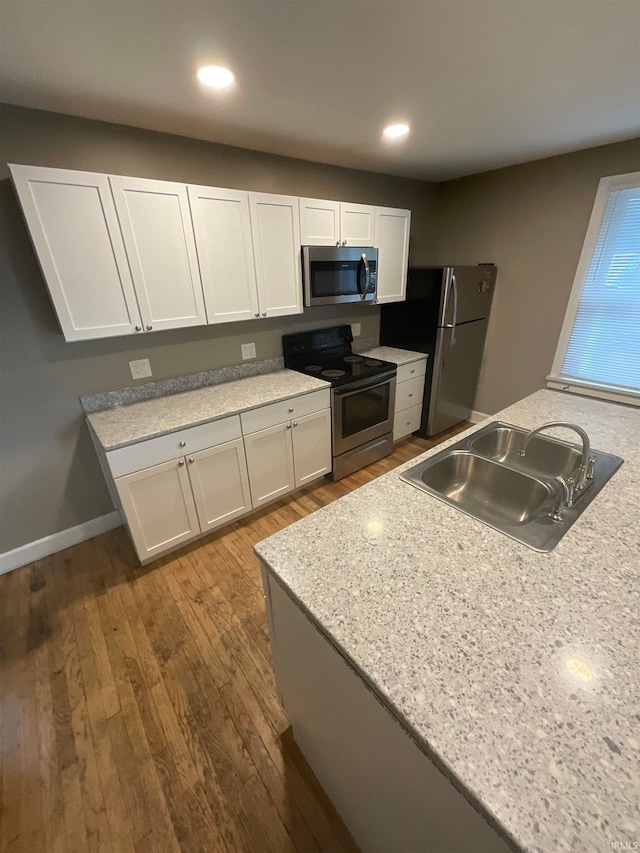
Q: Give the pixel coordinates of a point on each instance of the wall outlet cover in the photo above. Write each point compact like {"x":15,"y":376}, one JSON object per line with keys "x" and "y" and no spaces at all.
{"x":248,"y":351}
{"x":140,"y":369}
{"x":355,"y":329}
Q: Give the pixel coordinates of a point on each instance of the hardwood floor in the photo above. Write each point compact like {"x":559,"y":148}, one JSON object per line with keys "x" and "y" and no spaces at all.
{"x":138,"y":710}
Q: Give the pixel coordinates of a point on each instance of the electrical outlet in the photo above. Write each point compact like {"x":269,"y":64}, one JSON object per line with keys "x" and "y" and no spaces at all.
{"x":140,"y":369}
{"x":248,"y":351}
{"x":355,"y":330}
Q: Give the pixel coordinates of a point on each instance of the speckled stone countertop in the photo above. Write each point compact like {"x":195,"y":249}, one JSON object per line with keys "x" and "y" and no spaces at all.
{"x":466,"y":636}
{"x":397,"y":356}
{"x":124,"y":425}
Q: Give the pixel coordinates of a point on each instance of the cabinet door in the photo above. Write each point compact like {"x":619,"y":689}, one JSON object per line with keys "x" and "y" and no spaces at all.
{"x":357,"y":224}
{"x":275,"y":225}
{"x":392,"y":240}
{"x":75,"y":232}
{"x":312,"y":446}
{"x":158,"y":235}
{"x":225,"y":252}
{"x":220,"y":484}
{"x":159,"y":508}
{"x":270,"y":463}
{"x":319,"y":222}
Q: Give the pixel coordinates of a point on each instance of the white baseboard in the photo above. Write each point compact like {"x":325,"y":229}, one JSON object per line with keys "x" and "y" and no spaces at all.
{"x":476,"y":417}
{"x":58,"y":541}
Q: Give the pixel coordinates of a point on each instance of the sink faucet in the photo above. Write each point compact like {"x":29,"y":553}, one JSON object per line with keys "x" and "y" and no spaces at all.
{"x":585,"y":469}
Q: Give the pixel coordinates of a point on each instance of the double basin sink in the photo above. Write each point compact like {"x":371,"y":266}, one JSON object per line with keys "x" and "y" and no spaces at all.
{"x":523,"y":496}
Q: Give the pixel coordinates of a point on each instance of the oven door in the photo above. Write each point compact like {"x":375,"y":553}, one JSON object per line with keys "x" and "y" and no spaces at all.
{"x":363,"y":411}
{"x":333,"y":275}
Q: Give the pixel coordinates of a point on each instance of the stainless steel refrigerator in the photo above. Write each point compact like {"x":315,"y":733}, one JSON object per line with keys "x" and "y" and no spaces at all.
{"x":445,"y":315}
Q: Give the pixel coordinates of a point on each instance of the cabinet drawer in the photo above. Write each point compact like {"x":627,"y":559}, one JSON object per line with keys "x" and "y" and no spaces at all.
{"x":412,"y":370}
{"x":409,"y":394}
{"x":285,"y":410}
{"x":143,"y":454}
{"x":406,"y":422}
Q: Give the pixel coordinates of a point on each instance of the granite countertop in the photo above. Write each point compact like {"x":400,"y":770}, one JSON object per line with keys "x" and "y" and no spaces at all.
{"x":398,"y":356}
{"x":122,"y":425}
{"x":467,"y":636}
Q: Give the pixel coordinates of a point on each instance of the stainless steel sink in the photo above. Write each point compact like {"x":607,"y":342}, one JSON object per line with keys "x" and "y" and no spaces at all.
{"x":546,"y":457}
{"x":484,"y":476}
{"x":485,"y":489}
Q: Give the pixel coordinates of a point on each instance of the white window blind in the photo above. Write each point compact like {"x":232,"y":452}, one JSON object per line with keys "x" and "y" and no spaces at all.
{"x":599,"y":348}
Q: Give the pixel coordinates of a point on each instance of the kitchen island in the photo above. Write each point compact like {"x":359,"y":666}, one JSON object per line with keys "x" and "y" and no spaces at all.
{"x":513,"y":676}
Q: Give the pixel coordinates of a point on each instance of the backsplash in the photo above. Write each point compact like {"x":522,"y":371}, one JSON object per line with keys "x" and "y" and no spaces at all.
{"x":165,"y":387}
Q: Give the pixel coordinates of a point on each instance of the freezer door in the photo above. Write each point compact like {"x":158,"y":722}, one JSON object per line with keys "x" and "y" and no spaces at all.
{"x":467,"y":294}
{"x":455,"y":375}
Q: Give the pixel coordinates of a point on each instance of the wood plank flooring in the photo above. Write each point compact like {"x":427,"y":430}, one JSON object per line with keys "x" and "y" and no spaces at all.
{"x":137,"y":704}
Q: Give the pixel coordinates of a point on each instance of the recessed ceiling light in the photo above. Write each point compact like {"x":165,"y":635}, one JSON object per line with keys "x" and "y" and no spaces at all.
{"x":216,"y":76}
{"x":394,"y":131}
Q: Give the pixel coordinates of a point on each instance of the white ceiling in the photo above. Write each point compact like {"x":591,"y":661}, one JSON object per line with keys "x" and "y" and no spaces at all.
{"x":483,"y":83}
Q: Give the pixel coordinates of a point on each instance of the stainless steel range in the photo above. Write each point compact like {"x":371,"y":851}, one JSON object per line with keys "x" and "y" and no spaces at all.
{"x":363,"y":392}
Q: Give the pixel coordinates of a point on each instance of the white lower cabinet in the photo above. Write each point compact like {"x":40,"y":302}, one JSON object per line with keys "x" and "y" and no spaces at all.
{"x":220,"y":484}
{"x":168,"y":498}
{"x":311,"y":437}
{"x":270,"y":463}
{"x":159,"y":507}
{"x":409,"y":398}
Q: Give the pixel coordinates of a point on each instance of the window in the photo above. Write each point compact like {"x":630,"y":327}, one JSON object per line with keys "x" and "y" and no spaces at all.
{"x":599,"y":348}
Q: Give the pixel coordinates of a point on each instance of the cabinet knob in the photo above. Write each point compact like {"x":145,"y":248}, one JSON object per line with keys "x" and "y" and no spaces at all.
{"x":183,"y":444}
{"x":411,"y":393}
{"x":190,"y":460}
{"x":408,"y":423}
{"x":291,"y":409}
{"x":149,"y":328}
{"x":138,"y":328}
{"x":344,"y":242}
{"x":289,"y":426}
{"x":180,"y":462}
{"x":338,"y":243}
{"x":264,"y":313}
{"x":295,"y":423}
{"x":413,"y":370}
{"x":258,"y":314}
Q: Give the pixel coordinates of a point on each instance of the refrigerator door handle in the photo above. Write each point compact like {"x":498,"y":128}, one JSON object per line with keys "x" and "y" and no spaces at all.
{"x":452,"y":326}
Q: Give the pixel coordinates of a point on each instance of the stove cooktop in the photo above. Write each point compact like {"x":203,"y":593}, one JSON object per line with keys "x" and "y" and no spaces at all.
{"x":327,"y":354}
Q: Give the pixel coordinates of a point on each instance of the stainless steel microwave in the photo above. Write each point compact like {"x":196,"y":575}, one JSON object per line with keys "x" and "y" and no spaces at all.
{"x":335,"y":274}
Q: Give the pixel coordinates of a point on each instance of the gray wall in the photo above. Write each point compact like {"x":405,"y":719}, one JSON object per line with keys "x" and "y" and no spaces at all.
{"x":530,"y":220}
{"x":50,"y":476}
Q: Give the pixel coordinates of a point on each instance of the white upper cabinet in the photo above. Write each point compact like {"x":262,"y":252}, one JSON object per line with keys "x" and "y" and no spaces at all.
{"x":319,"y":222}
{"x":336,"y":223}
{"x":392,"y":239}
{"x":357,"y":224}
{"x":74,"y":230}
{"x":158,"y":235}
{"x":222,"y":228}
{"x":275,"y":226}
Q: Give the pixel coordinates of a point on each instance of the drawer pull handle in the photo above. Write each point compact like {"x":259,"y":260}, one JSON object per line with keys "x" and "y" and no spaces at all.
{"x":180,"y":462}
{"x":291,"y":409}
{"x":183,"y":444}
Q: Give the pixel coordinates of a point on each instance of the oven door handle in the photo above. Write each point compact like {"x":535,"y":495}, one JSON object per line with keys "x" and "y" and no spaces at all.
{"x":367,"y":277}
{"x":366,"y":385}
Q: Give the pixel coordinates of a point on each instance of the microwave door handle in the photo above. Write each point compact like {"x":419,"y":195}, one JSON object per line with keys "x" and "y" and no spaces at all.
{"x":367,"y":276}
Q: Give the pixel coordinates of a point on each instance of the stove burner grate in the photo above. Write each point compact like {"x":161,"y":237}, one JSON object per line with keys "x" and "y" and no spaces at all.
{"x":333,"y":374}
{"x":372,"y":362}
{"x":353,"y":359}
{"x":314,"y":368}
